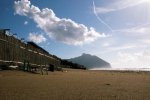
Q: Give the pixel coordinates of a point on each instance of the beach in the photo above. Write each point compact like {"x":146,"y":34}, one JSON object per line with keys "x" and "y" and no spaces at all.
{"x":75,"y":85}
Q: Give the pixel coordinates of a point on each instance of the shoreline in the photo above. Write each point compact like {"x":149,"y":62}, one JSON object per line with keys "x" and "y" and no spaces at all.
{"x":123,"y":69}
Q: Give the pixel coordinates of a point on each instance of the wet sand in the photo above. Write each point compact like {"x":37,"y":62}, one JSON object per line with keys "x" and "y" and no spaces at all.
{"x":75,"y":85}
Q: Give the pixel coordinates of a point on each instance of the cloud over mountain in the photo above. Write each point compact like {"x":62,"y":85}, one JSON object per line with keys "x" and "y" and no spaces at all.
{"x":60,"y":29}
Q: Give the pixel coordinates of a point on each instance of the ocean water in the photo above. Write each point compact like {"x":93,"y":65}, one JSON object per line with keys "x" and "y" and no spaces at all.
{"x":123,"y":69}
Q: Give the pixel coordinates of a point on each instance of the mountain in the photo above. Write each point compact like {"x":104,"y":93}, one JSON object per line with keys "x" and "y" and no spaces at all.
{"x":90,"y":61}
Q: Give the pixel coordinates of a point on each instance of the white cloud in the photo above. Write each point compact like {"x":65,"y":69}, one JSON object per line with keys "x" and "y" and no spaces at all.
{"x":124,"y":47}
{"x":110,"y":49}
{"x":144,"y":41}
{"x":63,"y":30}
{"x":103,"y":10}
{"x":106,"y":44}
{"x":37,"y":38}
{"x":26,"y":22}
{"x":136,"y":35}
{"x":132,"y":60}
{"x":119,"y":5}
{"x":138,"y":31}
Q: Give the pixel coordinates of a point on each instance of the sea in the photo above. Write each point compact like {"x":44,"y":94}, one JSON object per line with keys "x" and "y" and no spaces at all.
{"x":123,"y":69}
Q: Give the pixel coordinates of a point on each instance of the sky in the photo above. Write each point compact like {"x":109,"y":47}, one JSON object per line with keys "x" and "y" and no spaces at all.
{"x":117,"y":31}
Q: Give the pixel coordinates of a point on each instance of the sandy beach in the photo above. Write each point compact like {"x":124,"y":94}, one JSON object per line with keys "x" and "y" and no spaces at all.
{"x":75,"y":85}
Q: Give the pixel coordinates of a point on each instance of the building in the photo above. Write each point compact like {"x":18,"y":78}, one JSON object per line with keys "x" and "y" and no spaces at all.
{"x":25,"y":55}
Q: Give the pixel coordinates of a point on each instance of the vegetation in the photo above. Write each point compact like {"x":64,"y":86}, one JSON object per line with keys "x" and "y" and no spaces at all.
{"x":72,"y":65}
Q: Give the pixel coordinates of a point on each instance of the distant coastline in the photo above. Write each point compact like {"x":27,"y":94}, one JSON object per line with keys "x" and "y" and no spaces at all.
{"x":122,"y":69}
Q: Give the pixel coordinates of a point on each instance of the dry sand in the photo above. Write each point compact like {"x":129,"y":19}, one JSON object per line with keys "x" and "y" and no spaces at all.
{"x":75,"y":85}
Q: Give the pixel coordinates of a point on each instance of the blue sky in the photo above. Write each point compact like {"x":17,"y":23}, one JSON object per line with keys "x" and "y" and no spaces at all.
{"x":117,"y":31}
